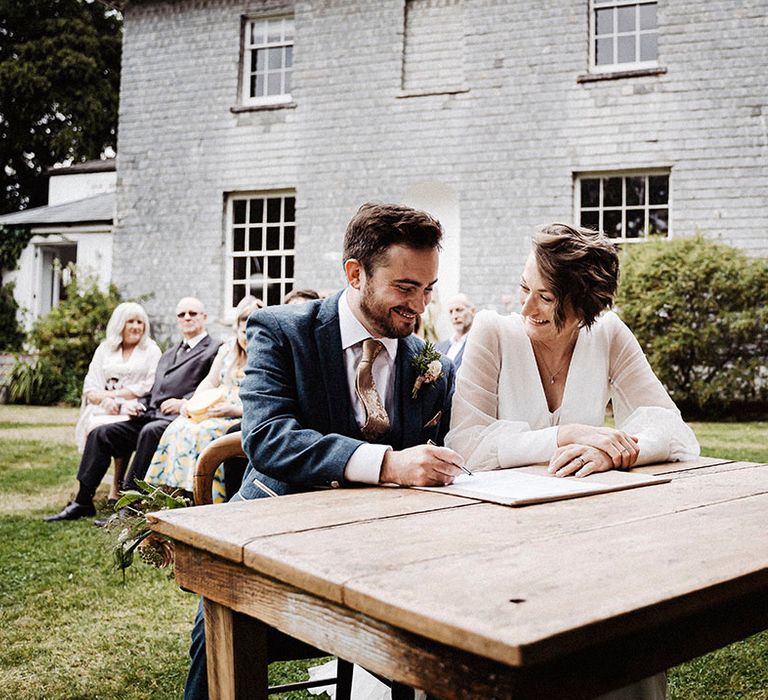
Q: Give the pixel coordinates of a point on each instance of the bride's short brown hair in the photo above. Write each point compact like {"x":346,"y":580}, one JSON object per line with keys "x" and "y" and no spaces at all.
{"x":580,"y":266}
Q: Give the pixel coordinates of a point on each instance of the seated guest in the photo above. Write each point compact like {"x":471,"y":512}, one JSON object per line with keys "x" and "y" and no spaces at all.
{"x":534,"y":386}
{"x":180,"y":369}
{"x":122,"y":368}
{"x":181,"y":444}
{"x":300,"y":296}
{"x":462,"y":312}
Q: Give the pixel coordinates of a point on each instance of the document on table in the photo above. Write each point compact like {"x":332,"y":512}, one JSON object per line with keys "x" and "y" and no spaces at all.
{"x":522,"y":486}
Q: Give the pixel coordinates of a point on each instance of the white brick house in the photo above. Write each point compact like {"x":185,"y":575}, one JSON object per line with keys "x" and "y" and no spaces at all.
{"x":250,"y":131}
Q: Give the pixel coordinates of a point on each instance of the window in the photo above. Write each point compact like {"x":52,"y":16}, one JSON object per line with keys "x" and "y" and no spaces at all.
{"x":624,"y":34}
{"x":267,"y":61}
{"x":626,"y":207}
{"x":262,"y":233}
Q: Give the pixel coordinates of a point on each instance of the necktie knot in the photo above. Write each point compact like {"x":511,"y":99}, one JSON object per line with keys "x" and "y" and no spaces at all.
{"x":371,"y":349}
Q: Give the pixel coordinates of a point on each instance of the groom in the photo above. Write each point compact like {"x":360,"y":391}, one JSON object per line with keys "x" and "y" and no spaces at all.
{"x":328,"y":389}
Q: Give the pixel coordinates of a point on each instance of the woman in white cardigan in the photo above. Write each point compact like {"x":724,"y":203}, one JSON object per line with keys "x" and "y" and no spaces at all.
{"x":123,"y":368}
{"x":534,"y":386}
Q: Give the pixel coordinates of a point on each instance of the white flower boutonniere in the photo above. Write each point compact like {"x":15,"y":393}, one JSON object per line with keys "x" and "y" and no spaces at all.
{"x":427,"y":364}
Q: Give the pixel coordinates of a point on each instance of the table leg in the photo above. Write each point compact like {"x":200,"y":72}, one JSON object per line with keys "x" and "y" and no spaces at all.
{"x":237,"y":654}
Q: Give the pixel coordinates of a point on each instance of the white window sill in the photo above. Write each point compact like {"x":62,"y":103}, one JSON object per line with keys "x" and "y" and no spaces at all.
{"x":262,"y":106}
{"x":620,"y":73}
{"x":434,"y":91}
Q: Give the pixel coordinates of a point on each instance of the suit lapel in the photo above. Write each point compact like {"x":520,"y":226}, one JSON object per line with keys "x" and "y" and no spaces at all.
{"x":331,"y":361}
{"x":183,"y":357}
{"x":407,"y":421}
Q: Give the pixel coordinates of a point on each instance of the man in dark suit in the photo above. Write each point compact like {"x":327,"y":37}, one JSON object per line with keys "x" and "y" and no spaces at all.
{"x":328,"y":395}
{"x":181,"y":368}
{"x":462,"y":312}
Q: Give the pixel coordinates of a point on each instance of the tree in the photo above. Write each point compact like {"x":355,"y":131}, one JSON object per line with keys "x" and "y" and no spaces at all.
{"x":59,"y":82}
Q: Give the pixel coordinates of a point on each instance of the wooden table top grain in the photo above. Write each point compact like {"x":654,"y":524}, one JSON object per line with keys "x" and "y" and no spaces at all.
{"x":519,"y":588}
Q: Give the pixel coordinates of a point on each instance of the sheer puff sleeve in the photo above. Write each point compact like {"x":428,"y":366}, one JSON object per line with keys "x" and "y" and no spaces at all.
{"x":483,"y":431}
{"x":641,"y":405}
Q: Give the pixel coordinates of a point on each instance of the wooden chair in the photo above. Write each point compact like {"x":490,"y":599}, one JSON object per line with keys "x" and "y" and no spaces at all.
{"x":226,"y":447}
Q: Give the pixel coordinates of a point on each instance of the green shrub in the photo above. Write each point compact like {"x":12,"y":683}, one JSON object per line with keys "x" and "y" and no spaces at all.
{"x":34,"y":383}
{"x":64,"y":340}
{"x":700,"y":312}
{"x":11,"y":333}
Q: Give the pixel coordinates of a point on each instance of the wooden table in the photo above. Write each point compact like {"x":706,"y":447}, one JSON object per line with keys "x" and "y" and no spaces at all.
{"x":476,"y":600}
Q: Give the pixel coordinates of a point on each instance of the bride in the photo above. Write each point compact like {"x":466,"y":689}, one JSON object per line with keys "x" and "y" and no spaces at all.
{"x":534,"y":386}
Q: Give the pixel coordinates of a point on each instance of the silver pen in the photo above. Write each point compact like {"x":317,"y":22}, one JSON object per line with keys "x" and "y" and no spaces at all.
{"x":464,"y":469}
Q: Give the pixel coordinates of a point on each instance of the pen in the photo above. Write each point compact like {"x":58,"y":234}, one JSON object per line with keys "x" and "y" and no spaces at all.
{"x":464,"y":469}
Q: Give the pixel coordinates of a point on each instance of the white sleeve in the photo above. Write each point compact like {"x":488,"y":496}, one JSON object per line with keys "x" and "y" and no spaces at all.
{"x":641,"y":405}
{"x":95,"y":379}
{"x":477,"y":434}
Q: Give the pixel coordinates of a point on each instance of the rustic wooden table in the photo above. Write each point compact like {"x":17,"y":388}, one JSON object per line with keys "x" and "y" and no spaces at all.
{"x":476,"y":600}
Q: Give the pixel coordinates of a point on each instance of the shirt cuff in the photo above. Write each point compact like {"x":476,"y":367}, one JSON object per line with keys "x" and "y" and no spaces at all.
{"x":364,"y":466}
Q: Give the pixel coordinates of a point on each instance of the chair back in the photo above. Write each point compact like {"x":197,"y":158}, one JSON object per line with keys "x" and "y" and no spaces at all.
{"x":224,"y":447}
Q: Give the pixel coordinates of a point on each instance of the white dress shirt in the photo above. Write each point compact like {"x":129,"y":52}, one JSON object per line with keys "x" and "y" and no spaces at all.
{"x":194,"y":341}
{"x":456,"y":346}
{"x":364,"y":465}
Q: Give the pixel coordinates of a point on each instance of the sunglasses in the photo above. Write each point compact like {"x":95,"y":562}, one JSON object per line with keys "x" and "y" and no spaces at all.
{"x":191,"y":314}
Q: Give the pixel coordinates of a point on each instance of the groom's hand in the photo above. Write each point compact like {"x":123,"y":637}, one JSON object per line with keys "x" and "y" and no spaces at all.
{"x":423,"y":465}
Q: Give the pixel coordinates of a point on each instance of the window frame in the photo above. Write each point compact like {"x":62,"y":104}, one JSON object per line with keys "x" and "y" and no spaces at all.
{"x":246,"y":100}
{"x":615,"y":67}
{"x":646,"y":206}
{"x":287,"y":283}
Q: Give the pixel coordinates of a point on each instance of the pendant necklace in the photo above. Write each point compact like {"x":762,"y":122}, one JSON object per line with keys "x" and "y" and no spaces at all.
{"x":553,"y":375}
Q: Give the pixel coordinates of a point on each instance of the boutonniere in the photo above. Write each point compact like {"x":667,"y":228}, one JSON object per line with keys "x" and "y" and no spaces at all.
{"x":428,"y":366}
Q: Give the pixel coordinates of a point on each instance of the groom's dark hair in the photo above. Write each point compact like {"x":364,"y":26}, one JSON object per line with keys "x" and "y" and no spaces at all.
{"x":375,"y":227}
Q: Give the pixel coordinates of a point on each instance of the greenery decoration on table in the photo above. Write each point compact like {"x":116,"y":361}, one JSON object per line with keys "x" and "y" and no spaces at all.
{"x":134,"y":533}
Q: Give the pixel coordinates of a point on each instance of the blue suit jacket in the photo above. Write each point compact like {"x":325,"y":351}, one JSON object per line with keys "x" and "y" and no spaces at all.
{"x":299,"y":428}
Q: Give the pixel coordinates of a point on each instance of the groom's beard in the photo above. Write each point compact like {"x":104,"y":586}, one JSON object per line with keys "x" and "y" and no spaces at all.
{"x":380,"y":316}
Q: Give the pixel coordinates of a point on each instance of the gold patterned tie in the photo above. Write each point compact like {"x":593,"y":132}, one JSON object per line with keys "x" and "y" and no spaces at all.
{"x":376,"y":418}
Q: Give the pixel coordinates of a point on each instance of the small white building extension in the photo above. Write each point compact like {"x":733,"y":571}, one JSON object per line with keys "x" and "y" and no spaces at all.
{"x":75,"y":227}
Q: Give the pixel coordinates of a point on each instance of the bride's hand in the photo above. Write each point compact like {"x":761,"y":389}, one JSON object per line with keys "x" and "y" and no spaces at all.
{"x":579,"y":460}
{"x":620,"y":447}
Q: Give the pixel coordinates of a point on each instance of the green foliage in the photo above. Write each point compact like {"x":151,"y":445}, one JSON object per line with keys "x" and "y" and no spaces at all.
{"x":11,"y":333}
{"x":34,"y":383}
{"x":65,"y":340}
{"x":700,"y":312}
{"x":59,"y":81}
{"x":13,"y":240}
{"x":135,"y":532}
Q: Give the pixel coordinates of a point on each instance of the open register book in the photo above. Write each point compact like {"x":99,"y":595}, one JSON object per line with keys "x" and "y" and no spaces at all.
{"x":521,"y":486}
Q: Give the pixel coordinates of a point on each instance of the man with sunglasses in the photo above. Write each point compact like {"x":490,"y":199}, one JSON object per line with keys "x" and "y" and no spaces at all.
{"x":181,"y":368}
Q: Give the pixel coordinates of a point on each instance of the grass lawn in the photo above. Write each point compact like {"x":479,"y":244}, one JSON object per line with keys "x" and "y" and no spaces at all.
{"x":70,"y":628}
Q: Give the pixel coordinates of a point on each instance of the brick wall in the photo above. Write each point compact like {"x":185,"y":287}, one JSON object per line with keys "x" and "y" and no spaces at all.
{"x":506,"y":138}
